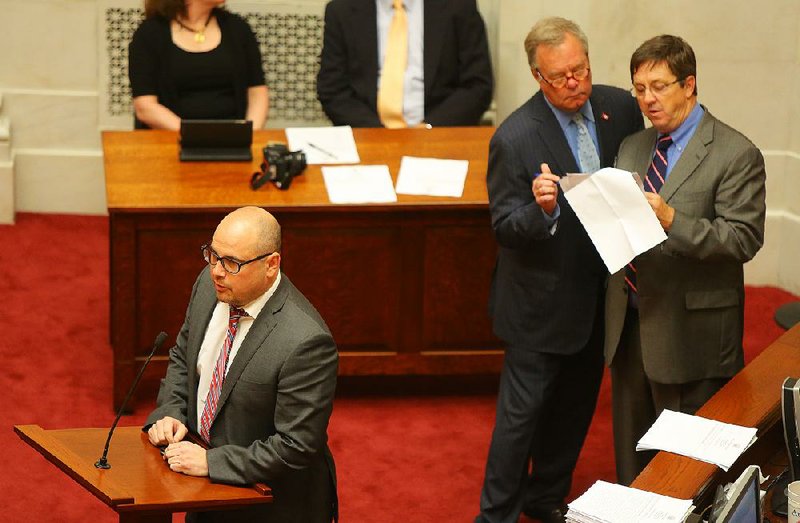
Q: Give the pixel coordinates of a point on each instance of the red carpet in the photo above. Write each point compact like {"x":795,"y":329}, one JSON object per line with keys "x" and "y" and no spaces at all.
{"x":417,"y":459}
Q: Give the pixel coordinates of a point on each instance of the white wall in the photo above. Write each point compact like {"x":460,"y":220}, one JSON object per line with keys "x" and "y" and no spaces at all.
{"x":48,"y":81}
{"x":53,"y":91}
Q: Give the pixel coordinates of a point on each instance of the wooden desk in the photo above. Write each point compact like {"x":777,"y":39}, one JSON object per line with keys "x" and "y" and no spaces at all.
{"x":752,"y":399}
{"x":139,"y":486}
{"x":404,"y":286}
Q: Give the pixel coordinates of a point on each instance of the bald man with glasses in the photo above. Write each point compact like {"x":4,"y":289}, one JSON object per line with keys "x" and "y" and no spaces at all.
{"x":547,"y":290}
{"x":252,"y":374}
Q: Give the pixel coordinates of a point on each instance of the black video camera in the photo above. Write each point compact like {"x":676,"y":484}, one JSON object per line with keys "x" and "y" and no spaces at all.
{"x":280,"y":166}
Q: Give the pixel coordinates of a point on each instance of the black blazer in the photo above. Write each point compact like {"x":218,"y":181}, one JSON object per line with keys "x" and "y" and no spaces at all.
{"x":149,"y":61}
{"x":546,"y":289}
{"x":457,"y":67}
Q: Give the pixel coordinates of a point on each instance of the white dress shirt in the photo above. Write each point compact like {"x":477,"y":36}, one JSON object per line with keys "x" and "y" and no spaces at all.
{"x":215,"y":338}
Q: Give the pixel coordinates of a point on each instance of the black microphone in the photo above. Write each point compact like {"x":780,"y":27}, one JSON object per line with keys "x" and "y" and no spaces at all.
{"x":102,"y":463}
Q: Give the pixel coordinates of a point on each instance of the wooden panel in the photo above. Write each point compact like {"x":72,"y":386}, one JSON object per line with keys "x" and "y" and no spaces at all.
{"x":458,"y":264}
{"x":349,"y":274}
{"x":168,"y":261}
{"x":122,"y":271}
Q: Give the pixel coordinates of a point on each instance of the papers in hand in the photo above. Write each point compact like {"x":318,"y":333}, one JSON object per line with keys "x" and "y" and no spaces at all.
{"x":610,"y":503}
{"x":324,"y":145}
{"x":359,"y":184}
{"x":707,"y":440}
{"x":615,"y":214}
{"x":432,"y":176}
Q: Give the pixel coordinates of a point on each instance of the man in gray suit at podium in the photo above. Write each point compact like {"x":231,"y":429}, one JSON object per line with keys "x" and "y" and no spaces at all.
{"x":674,"y":317}
{"x":253,"y":373}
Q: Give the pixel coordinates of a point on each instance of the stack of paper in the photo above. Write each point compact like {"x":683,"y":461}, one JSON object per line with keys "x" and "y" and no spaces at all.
{"x":699,"y":438}
{"x":609,"y":503}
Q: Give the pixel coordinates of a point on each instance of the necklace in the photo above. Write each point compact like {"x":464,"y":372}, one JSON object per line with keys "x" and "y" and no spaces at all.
{"x":199,"y":34}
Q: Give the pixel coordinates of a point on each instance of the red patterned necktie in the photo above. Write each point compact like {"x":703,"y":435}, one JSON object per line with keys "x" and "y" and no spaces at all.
{"x":656,"y":175}
{"x":218,"y":377}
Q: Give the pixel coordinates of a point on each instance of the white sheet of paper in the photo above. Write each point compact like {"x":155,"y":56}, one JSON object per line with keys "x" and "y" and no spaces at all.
{"x":432,"y":176}
{"x":699,"y":438}
{"x":615,"y":214}
{"x":611,"y":503}
{"x":324,"y":145}
{"x":359,"y":184}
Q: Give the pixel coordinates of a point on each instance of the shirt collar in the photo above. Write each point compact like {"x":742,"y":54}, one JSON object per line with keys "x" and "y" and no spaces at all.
{"x":564,"y":118}
{"x":253,"y":309}
{"x":387,"y":4}
{"x":685,"y":131}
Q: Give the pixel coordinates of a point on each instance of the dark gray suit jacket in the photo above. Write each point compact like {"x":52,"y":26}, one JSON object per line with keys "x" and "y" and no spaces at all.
{"x":273,"y":412}
{"x":545,"y":289}
{"x":691,"y":287}
{"x":457,"y":67}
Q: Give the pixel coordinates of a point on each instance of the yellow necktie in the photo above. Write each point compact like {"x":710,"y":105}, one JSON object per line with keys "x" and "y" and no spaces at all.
{"x":390,"y":90}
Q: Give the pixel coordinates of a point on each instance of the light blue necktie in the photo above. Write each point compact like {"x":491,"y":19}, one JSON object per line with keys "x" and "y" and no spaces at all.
{"x":587,"y":153}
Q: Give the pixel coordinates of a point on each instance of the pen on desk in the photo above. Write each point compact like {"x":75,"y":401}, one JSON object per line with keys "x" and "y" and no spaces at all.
{"x":323,"y":151}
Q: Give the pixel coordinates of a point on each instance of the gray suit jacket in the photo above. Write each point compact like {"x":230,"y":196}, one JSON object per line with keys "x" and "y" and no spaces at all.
{"x":273,"y":412}
{"x":691,"y":287}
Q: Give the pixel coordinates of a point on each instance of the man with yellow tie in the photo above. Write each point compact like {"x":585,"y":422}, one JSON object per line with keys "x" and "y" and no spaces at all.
{"x":404,"y":63}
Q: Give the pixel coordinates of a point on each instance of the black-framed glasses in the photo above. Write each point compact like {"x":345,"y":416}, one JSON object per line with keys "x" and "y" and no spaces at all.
{"x":657,"y":88}
{"x":580,"y":73}
{"x":230,"y":265}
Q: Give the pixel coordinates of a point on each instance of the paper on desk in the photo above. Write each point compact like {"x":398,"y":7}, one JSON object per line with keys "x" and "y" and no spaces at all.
{"x":610,"y":503}
{"x":324,"y":145}
{"x":615,"y":214}
{"x":699,"y":438}
{"x":432,"y":176}
{"x":359,"y":184}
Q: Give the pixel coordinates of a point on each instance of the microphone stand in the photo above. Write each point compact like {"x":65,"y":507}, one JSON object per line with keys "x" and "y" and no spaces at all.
{"x":102,"y":463}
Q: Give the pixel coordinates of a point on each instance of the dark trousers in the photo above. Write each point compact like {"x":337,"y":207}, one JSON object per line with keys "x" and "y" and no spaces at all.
{"x":544,"y":407}
{"x":637,"y":401}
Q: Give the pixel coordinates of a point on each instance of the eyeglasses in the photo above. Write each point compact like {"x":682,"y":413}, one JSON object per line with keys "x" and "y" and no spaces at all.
{"x":656,"y":88}
{"x":581,"y":73}
{"x":229,"y":264}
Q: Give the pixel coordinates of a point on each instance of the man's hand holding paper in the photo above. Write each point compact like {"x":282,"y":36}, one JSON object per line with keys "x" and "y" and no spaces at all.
{"x":615,"y":213}
{"x":664,"y":212}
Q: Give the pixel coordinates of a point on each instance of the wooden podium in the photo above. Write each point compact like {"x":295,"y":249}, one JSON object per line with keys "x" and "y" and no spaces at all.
{"x":139,"y":486}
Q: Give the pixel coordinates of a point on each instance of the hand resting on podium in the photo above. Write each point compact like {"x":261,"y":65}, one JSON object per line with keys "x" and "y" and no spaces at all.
{"x":181,"y":456}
